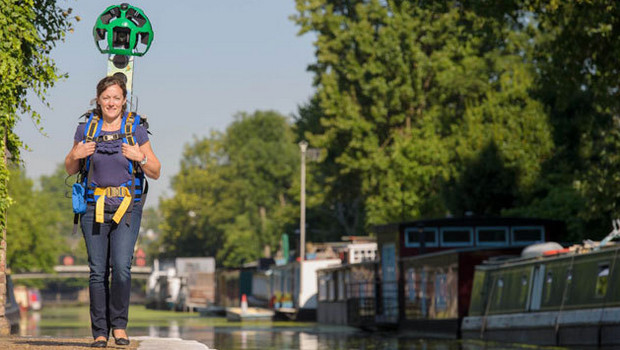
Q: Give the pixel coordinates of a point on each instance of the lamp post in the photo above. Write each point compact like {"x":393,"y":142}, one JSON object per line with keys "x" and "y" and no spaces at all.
{"x":313,"y":154}
{"x":303,"y":146}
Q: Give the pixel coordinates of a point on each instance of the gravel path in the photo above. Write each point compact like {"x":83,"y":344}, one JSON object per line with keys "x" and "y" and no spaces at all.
{"x":42,"y":343}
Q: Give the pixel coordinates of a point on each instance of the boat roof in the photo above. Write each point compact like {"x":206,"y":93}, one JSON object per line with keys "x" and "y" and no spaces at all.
{"x":466,"y":220}
{"x":575,"y":250}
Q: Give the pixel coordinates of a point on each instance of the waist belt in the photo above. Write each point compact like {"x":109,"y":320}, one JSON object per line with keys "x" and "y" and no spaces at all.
{"x":102,"y":192}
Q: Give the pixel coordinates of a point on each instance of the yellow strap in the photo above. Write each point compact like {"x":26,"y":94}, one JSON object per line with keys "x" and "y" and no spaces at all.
{"x":100,"y":204}
{"x":123,"y":207}
{"x":112,"y":192}
{"x":90,"y":135}
{"x":128,"y":125}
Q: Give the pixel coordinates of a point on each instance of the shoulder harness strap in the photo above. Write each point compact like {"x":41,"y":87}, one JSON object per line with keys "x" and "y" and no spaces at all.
{"x":91,"y":132}
{"x":93,"y":127}
{"x":128,"y":126}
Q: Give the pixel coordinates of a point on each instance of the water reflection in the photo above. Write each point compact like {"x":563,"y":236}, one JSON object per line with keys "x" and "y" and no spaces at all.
{"x":219,"y":334}
{"x":29,"y":323}
{"x":354,"y":340}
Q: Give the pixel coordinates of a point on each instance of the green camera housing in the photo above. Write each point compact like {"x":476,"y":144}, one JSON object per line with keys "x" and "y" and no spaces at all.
{"x":123,"y":30}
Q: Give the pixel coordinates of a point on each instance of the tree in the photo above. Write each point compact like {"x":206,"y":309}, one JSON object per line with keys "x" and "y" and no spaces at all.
{"x":413,"y":92}
{"x":264,"y":160}
{"x":235,"y":192}
{"x":34,"y":242}
{"x":577,"y":48}
{"x":335,"y":205}
{"x":57,"y":189}
{"x":28,"y":31}
{"x":192,"y":217}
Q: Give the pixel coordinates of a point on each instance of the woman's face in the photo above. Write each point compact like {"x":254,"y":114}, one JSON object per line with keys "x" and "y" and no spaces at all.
{"x":111,"y":102}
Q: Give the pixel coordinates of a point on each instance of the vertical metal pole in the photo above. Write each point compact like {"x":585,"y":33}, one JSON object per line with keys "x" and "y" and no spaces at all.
{"x":303,"y":146}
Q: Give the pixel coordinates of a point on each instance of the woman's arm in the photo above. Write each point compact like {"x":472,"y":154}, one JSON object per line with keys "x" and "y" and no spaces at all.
{"x":137,"y":153}
{"x":80,"y":150}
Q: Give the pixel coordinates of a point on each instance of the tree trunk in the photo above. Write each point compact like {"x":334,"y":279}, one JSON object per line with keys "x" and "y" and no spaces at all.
{"x":5,"y":327}
{"x":262,"y":212}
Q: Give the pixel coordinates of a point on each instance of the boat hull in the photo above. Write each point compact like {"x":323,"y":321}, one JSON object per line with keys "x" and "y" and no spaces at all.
{"x":237,"y":314}
{"x":590,"y":327}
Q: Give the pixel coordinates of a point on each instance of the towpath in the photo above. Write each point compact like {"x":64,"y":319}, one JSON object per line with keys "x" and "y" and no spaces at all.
{"x":137,"y":343}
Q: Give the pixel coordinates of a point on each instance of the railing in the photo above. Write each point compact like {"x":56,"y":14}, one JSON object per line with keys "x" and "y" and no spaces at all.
{"x":361,"y":303}
{"x":77,"y":271}
{"x":387,"y":302}
{"x":361,"y":311}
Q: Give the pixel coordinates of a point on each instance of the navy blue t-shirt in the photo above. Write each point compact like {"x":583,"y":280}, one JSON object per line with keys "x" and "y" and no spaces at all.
{"x":110,"y":168}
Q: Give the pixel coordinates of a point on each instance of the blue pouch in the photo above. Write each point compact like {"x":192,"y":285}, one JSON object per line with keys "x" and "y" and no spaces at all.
{"x":79,"y":198}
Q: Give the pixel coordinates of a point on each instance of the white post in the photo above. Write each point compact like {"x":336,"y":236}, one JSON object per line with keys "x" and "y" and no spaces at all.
{"x":303,"y":146}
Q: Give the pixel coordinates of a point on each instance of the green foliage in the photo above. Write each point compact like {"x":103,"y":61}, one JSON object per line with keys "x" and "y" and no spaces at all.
{"x":28,"y":31}
{"x":57,"y":189}
{"x":33,"y":242}
{"x":413,"y":93}
{"x":421,"y":109}
{"x":150,"y":232}
{"x":559,"y":203}
{"x":334,"y":203}
{"x":191,"y":216}
{"x":580,"y":88}
{"x":233,"y":194}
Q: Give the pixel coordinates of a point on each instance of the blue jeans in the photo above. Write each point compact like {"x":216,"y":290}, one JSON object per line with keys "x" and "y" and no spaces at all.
{"x":110,"y":245}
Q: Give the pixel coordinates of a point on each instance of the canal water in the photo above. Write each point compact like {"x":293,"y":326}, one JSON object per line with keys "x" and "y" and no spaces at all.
{"x":217,"y":333}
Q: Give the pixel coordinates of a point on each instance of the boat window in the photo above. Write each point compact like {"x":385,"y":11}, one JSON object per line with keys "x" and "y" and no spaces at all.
{"x":523,"y":235}
{"x":456,"y":236}
{"x":548,"y":287}
{"x":323,"y":287}
{"x":499,"y":291}
{"x":524,"y":289}
{"x":412,"y":236}
{"x":331,"y":287}
{"x":569,"y":280}
{"x":410,"y":287}
{"x":341,"y":278}
{"x":346,"y":281}
{"x":492,"y":236}
{"x":601,"y":280}
{"x":441,"y":291}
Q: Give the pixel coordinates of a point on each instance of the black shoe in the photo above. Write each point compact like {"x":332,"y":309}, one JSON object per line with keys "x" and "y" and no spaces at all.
{"x":121,"y":341}
{"x":99,"y":344}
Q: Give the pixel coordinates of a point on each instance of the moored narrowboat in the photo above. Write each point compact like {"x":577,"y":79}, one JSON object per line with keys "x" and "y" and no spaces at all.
{"x":560,"y":297}
{"x":294,"y":288}
{"x":410,"y":276}
{"x":437,"y":290}
{"x":346,"y":294}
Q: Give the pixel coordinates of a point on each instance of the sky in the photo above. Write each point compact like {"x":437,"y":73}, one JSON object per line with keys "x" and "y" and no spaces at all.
{"x":210,"y":59}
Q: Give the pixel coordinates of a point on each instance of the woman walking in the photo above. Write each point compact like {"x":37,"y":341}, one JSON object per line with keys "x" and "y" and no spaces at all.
{"x":113,"y":157}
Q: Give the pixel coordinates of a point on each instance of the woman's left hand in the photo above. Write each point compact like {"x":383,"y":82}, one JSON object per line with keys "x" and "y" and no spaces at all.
{"x":152,"y":166}
{"x":132,"y":152}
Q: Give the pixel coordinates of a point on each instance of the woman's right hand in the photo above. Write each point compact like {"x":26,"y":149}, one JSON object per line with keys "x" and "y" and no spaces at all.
{"x":84,"y":149}
{"x":80,"y":150}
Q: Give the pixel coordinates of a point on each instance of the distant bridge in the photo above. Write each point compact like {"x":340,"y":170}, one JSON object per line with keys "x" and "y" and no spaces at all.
{"x":77,"y":271}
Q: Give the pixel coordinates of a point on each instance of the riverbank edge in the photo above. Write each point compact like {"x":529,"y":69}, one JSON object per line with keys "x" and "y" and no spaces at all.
{"x":57,"y":343}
